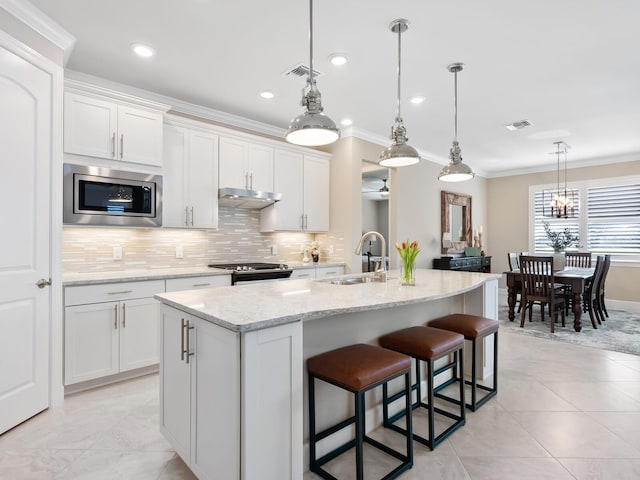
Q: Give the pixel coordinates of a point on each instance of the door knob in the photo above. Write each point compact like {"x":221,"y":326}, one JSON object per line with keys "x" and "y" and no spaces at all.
{"x":43,"y":283}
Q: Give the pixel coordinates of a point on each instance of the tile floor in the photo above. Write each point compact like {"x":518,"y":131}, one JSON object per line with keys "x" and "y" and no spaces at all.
{"x":562,"y":412}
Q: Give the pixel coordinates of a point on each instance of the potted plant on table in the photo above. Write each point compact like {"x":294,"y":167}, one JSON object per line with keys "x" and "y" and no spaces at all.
{"x":560,"y":241}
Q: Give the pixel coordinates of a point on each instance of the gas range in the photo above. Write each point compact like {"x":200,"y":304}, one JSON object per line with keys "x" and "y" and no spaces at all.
{"x":254,"y":272}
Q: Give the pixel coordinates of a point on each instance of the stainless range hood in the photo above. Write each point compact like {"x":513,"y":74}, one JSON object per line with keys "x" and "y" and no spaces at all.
{"x":240,"y":198}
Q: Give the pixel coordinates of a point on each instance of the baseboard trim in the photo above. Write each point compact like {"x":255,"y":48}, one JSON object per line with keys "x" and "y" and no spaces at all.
{"x":624,"y":305}
{"x":101,"y":382}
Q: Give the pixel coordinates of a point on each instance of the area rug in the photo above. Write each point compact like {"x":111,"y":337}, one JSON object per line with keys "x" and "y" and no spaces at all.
{"x":620,"y":333}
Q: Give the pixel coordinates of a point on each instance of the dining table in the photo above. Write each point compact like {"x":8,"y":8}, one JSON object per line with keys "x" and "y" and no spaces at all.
{"x":576,"y":278}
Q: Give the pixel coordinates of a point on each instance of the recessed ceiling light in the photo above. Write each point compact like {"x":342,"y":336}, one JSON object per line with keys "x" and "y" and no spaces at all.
{"x":267,"y":94}
{"x":338,"y":59}
{"x":143,"y":50}
{"x":417,"y":100}
{"x":346,"y":122}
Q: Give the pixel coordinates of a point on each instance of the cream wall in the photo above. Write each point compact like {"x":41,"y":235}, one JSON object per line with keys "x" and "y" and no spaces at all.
{"x":508,"y":223}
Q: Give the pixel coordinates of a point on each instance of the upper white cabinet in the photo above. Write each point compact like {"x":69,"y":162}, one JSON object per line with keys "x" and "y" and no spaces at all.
{"x":245,"y":165}
{"x":101,"y":127}
{"x":303,"y":181}
{"x":190,"y":188}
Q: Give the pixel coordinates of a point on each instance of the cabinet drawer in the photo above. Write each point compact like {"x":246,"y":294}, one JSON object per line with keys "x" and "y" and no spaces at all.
{"x":191,"y":283}
{"x":303,"y":273}
{"x":329,"y":271}
{"x":111,"y":292}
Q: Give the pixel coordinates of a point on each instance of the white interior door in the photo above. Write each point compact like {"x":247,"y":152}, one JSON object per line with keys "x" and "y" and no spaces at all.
{"x":25,"y":124}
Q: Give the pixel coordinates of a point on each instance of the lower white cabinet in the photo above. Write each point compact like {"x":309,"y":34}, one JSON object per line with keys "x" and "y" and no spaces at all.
{"x":110,"y":329}
{"x":317,"y":272}
{"x":194,"y":283}
{"x":200,"y":394}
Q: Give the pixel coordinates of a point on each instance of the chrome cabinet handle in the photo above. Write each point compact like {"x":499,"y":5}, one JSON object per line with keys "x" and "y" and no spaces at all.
{"x":246,"y":180}
{"x":124,"y":316}
{"x":200,"y":284}
{"x":121,"y":145}
{"x":113,"y":144}
{"x":301,"y":222}
{"x":182,"y":339}
{"x":306,"y":221}
{"x":186,"y":216}
{"x":188,"y":347}
{"x":43,"y":283}
{"x":251,"y":181}
{"x":192,"y":216}
{"x":115,"y":319}
{"x":121,"y":292}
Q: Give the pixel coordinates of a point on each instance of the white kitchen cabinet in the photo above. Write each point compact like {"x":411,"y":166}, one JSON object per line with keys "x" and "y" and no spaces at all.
{"x":194,"y":283}
{"x":303,"y":181}
{"x":98,"y":127}
{"x":245,"y":165}
{"x":200,"y":394}
{"x":317,"y":272}
{"x":190,"y":188}
{"x":110,"y":329}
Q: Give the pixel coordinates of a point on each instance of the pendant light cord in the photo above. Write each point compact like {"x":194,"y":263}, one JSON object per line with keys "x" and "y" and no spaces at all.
{"x":455,"y":105}
{"x":311,"y":83}
{"x":399,"y":117}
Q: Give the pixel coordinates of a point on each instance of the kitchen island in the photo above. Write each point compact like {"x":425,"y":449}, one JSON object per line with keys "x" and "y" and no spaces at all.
{"x":233,"y":397}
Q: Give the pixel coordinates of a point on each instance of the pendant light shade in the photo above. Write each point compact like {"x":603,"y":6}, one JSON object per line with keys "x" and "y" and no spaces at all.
{"x":312,"y":127}
{"x":456,"y":171}
{"x":399,"y":154}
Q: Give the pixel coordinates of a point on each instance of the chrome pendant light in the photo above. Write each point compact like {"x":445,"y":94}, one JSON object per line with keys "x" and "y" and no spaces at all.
{"x":312,"y":127}
{"x":456,"y":171}
{"x":399,"y":154}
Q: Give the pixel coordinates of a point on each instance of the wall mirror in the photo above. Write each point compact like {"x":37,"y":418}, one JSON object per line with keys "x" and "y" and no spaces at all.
{"x":455,"y":221}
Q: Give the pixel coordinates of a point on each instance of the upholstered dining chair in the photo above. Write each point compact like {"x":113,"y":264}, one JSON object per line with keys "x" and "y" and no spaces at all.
{"x":538,"y":285}
{"x":578,"y":259}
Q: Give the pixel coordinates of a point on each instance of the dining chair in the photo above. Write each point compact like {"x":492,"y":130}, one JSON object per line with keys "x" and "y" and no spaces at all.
{"x":514,"y":264}
{"x":600,"y":302}
{"x":592,"y":293}
{"x":578,"y":259}
{"x":538,"y":285}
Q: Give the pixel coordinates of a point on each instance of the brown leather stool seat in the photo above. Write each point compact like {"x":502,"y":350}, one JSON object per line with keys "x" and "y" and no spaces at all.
{"x":357,"y":369}
{"x":426,"y":344}
{"x":474,"y":328}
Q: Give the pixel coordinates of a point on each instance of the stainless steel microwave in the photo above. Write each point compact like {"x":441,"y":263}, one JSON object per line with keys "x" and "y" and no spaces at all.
{"x":103,"y":196}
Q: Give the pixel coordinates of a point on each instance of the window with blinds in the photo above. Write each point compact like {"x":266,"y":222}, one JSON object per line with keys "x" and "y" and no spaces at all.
{"x":607,"y":218}
{"x":613,"y":219}
{"x":556,"y":224}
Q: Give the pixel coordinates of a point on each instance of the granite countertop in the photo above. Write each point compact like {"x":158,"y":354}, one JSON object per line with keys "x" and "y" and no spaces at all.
{"x":244,"y":308}
{"x":95,"y":278}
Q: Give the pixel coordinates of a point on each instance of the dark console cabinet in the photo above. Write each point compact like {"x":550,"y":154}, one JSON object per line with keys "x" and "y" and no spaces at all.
{"x":463,"y":264}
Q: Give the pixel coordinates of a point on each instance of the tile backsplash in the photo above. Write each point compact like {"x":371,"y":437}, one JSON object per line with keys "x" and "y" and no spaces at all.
{"x":90,"y":249}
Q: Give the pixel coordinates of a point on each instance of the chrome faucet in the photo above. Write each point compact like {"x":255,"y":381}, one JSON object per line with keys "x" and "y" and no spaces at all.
{"x":381,"y":270}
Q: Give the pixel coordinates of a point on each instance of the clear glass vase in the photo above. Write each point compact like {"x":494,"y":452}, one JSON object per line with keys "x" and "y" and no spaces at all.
{"x":408,"y":274}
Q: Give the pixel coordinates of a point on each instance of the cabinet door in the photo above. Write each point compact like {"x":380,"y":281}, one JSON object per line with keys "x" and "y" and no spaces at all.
{"x":91,"y":341}
{"x":287,"y":213}
{"x":89,"y":126}
{"x":233,"y":160}
{"x":139,"y":333}
{"x":175,"y":384}
{"x":203,"y":179}
{"x":139,"y":136}
{"x":174,"y":203}
{"x":316,"y":194}
{"x":215,"y":405}
{"x":260,"y":168}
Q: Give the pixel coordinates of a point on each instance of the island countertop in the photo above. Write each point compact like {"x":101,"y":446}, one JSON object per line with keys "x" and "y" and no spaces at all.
{"x":244,"y":308}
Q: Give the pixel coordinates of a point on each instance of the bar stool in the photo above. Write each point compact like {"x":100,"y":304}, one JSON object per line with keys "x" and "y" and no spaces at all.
{"x":474,"y":329}
{"x":357,"y":368}
{"x":426,"y":344}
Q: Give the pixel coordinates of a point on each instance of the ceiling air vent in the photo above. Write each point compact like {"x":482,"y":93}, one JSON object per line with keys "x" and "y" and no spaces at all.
{"x":301,"y":70}
{"x":518,"y":125}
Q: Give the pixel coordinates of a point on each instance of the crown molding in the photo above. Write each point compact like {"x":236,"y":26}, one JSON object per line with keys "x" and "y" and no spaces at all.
{"x":41,"y":24}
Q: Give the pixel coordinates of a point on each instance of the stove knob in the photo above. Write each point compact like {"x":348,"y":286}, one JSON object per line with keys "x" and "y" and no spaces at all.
{"x":239,"y":268}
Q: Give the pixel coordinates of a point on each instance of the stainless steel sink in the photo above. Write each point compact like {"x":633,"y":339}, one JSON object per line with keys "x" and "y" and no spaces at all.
{"x":354,"y":280}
